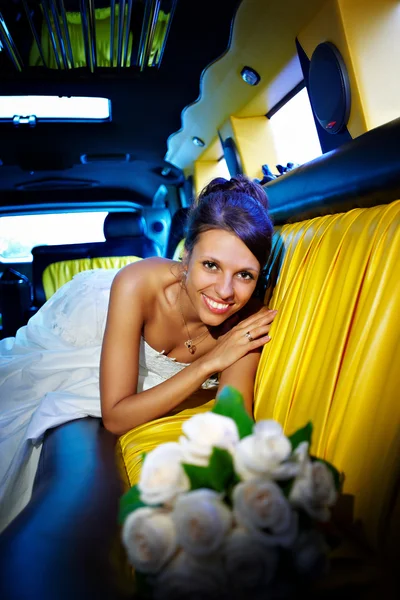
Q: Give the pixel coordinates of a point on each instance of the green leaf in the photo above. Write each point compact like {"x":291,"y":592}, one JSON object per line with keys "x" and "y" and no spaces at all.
{"x":338,"y":478}
{"x":218,"y":475}
{"x":230,"y":404}
{"x":221,"y":469}
{"x":199,"y":477}
{"x":301,"y":435}
{"x":129,"y":502}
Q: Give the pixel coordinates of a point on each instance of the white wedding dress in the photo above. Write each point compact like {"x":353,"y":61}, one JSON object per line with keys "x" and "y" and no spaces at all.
{"x":49,"y":374}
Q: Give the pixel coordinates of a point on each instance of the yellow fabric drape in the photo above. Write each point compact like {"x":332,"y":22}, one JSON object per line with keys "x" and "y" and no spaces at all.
{"x":334,"y":357}
{"x":56,"y":274}
{"x":146,"y":437}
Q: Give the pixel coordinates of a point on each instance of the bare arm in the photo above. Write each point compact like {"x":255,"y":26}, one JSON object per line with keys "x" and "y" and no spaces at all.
{"x":123,"y":408}
{"x":241,"y":376}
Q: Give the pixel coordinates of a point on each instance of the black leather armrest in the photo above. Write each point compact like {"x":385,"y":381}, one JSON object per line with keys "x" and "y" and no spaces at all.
{"x":60,"y":546}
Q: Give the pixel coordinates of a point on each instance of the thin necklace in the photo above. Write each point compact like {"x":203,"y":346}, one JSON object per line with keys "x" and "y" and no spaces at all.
{"x":190,"y":342}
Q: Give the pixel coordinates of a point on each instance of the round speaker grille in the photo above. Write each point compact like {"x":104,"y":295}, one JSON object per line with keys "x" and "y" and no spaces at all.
{"x":329,"y":88}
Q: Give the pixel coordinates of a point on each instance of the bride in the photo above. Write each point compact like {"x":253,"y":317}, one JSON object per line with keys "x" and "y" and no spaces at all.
{"x":161,"y":336}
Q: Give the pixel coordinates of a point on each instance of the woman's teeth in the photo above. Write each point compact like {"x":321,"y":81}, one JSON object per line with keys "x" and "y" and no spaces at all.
{"x":216,"y":306}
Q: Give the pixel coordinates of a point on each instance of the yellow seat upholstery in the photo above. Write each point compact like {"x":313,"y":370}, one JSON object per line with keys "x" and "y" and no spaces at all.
{"x":146,"y":437}
{"x":335,"y":354}
{"x":334,"y":357}
{"x":58,"y":273}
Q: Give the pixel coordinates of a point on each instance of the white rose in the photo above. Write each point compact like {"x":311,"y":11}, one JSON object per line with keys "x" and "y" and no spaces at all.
{"x":250,"y":566}
{"x":261,"y":508}
{"x":204,"y":432}
{"x":186,"y":578}
{"x":310,"y":554}
{"x":314,"y":490}
{"x":265,"y":453}
{"x":163,"y":477}
{"x":202,"y":521}
{"x":149,"y":537}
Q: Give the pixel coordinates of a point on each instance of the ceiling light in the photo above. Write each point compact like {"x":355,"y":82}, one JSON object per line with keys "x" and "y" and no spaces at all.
{"x":250,"y":76}
{"x":198,"y":142}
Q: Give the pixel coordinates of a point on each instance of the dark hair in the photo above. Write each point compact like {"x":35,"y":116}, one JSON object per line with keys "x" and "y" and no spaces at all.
{"x":237,"y":205}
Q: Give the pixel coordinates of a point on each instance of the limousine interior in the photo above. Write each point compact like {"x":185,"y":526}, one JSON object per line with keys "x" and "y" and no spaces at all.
{"x":114,"y":114}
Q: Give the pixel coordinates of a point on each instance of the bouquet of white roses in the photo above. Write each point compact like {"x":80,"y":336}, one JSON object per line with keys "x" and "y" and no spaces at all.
{"x":231,"y":510}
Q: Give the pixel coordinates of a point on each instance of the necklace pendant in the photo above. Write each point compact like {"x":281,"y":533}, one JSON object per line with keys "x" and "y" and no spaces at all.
{"x":190,"y":346}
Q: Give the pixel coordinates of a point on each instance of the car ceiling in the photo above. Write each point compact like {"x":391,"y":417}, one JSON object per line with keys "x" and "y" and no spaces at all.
{"x":146,"y":110}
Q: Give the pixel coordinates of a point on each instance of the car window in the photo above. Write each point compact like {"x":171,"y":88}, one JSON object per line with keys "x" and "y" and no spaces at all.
{"x":295,"y":134}
{"x":20,"y":233}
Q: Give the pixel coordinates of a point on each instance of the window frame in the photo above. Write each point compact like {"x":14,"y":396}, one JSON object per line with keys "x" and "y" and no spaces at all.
{"x":17,"y":119}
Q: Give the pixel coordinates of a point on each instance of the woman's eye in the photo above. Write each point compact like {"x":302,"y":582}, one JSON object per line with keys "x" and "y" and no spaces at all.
{"x":245,"y":275}
{"x":208,"y":264}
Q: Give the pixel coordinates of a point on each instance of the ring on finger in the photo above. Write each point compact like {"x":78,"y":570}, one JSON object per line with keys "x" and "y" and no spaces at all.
{"x":249,"y":336}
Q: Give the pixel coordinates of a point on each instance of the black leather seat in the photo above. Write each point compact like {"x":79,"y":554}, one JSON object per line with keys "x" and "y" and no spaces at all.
{"x":177,"y":230}
{"x":65,"y":543}
{"x":125,"y":234}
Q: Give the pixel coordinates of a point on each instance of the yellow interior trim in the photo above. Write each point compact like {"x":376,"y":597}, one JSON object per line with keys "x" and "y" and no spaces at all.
{"x":178,"y":254}
{"x":372,"y":35}
{"x":328,"y":26}
{"x":255,"y":143}
{"x":205,"y":171}
{"x":335,"y":350}
{"x":263,"y":37}
{"x":55,"y":275}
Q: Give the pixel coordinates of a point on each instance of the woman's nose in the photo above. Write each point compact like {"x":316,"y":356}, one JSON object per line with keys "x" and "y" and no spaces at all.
{"x":224,"y":287}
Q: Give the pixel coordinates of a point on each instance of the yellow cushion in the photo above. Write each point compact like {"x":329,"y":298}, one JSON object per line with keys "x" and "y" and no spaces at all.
{"x":179,"y":250}
{"x":146,"y":437}
{"x":334,"y":357}
{"x":56,"y":274}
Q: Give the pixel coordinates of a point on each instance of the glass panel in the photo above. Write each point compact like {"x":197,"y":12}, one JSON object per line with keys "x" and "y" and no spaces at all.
{"x":222,"y":169}
{"x":20,"y":233}
{"x":55,"y":107}
{"x":295,"y":134}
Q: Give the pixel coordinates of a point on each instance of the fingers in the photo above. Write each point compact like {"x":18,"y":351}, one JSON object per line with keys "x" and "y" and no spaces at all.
{"x":255,"y":333}
{"x":258,"y":320}
{"x":261,"y":341}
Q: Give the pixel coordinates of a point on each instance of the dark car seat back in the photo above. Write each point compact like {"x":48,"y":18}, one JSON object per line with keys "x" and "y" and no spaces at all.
{"x":125,"y":234}
{"x":177,"y":231}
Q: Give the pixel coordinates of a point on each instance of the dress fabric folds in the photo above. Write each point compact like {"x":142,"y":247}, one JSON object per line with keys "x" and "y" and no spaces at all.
{"x":49,"y":375}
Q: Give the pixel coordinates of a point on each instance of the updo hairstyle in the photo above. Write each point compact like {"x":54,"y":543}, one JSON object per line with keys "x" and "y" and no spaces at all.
{"x":238,"y":206}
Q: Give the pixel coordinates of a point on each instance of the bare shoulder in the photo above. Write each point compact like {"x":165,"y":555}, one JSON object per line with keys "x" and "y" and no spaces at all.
{"x":145,"y":277}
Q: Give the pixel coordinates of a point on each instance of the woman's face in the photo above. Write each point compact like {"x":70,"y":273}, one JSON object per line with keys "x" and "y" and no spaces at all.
{"x":221,"y":276}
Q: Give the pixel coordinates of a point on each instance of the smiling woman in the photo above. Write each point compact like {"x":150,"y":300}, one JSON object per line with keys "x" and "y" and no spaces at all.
{"x":168,"y":328}
{"x":201,"y":310}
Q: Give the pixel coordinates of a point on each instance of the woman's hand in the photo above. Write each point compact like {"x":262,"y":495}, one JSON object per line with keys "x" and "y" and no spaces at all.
{"x":248,"y":335}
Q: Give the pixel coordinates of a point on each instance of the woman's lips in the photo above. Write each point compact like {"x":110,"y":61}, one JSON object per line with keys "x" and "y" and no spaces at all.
{"x":218,"y":308}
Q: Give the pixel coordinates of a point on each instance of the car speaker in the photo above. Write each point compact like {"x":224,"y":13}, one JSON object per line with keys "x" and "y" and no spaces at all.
{"x":329,"y":88}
